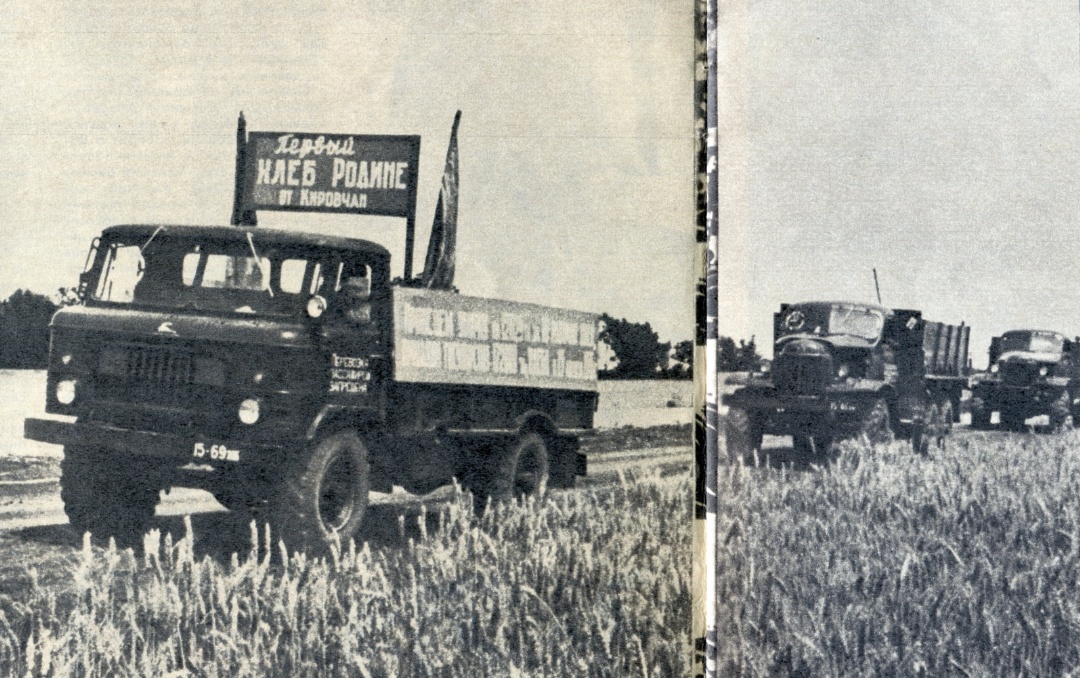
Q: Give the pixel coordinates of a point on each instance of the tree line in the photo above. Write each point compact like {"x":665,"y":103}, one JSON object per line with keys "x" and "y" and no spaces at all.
{"x":636,"y":349}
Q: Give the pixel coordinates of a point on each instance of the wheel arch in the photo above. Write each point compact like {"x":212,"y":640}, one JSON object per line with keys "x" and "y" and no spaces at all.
{"x":536,"y":421}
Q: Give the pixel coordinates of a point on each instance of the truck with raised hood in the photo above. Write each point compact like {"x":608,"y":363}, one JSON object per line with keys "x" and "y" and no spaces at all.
{"x":287,"y":373}
{"x":1030,"y":373}
{"x":843,"y":370}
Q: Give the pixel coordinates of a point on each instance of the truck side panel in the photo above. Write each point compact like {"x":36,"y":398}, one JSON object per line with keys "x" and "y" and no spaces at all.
{"x":418,"y":407}
{"x":446,"y":338}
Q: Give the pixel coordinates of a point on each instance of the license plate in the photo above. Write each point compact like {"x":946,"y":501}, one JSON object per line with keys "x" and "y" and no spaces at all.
{"x":215,"y":452}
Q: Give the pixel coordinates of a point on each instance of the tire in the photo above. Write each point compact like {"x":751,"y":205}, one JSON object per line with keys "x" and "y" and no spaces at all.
{"x":325,"y":498}
{"x":925,"y":432}
{"x":1059,"y":412}
{"x":945,"y":429}
{"x":106,"y":498}
{"x":742,"y":433}
{"x":876,"y":426}
{"x":520,"y":468}
{"x":980,"y":415}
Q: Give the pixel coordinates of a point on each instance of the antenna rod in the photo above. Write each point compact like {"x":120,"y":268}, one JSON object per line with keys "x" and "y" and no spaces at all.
{"x":876,"y":288}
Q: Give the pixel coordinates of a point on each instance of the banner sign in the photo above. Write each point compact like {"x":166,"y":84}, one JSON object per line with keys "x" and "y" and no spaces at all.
{"x":345,"y":173}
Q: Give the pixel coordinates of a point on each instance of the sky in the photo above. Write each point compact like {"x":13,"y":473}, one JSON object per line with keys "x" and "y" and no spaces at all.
{"x":938,"y":142}
{"x":576,"y":139}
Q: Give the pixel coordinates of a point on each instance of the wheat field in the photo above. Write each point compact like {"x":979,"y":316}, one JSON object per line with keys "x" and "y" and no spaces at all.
{"x":966,"y":563}
{"x":586,"y":583}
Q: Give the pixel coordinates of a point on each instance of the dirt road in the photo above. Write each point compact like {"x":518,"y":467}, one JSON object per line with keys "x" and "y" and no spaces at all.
{"x":34,"y":532}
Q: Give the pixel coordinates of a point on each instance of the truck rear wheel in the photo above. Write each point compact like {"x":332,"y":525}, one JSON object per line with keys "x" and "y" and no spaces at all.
{"x":876,"y":425}
{"x":945,"y":428}
{"x":520,"y":468}
{"x":743,"y":434}
{"x":106,"y":498}
{"x":326,"y":496}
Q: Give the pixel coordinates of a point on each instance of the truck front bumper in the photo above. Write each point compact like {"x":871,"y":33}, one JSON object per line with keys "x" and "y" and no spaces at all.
{"x":175,"y":448}
{"x":783,"y":414}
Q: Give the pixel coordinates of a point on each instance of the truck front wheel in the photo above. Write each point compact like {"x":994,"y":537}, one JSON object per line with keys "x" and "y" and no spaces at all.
{"x":980,"y":414}
{"x":325,"y":497}
{"x":743,"y":434}
{"x":106,"y":498}
{"x":876,"y":424}
{"x":1059,"y":411}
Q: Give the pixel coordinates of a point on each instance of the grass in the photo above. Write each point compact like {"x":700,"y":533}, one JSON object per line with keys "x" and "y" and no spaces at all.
{"x":585,"y":583}
{"x":966,"y":563}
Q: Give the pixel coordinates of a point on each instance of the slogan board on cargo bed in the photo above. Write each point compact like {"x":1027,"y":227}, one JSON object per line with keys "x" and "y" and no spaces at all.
{"x":447,"y":338}
{"x":346,"y":173}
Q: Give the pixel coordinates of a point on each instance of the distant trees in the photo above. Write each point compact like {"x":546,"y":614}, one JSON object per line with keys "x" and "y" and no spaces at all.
{"x":639,"y":354}
{"x":24,"y":329}
{"x":732,"y":358}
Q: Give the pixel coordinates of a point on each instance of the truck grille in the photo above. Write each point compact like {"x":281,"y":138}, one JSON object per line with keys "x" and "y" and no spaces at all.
{"x":146,"y":374}
{"x":804,"y":374}
{"x":1019,"y":374}
{"x":160,"y":366}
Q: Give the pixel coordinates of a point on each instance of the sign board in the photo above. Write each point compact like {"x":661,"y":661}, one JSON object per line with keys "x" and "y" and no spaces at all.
{"x":344,"y":173}
{"x":447,"y":338}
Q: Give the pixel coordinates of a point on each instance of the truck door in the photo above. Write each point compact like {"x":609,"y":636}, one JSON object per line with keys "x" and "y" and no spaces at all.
{"x":355,"y":334}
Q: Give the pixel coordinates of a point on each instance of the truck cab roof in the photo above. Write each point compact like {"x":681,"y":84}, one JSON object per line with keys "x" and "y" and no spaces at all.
{"x":262,"y":236}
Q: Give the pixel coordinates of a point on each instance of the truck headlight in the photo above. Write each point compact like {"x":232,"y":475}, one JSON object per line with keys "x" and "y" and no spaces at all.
{"x":65,"y":392}
{"x":994,"y":368}
{"x":249,"y":411}
{"x":1043,"y":371}
{"x":842,"y":371}
{"x":316,"y":306}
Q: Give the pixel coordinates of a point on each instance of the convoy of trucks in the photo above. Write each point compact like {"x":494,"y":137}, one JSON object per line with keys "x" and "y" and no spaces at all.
{"x":289,"y":375}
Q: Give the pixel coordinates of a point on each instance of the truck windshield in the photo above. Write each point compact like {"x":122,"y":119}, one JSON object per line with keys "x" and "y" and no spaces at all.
{"x":1032,"y":342}
{"x":208,"y":275}
{"x":834,"y":319}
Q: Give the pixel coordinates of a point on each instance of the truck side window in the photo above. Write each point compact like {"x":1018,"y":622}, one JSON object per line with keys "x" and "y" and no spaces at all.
{"x":292,"y":275}
{"x":354,"y":294}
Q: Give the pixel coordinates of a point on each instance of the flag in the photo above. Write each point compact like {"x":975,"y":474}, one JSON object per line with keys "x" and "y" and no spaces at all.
{"x":439,"y":263}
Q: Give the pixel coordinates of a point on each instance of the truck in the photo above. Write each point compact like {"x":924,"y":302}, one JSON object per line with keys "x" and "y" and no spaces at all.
{"x":843,"y":370}
{"x":286,"y":374}
{"x":1030,"y":373}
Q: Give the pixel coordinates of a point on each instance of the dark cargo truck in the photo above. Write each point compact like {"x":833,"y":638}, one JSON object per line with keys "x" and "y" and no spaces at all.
{"x":285,"y":373}
{"x":1031,"y":373}
{"x":842,"y":370}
